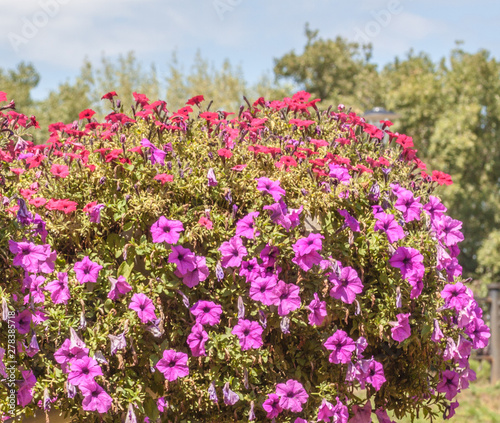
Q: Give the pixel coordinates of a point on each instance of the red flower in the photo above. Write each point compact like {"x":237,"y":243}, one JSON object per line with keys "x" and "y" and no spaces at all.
{"x":113,"y":154}
{"x":66,"y":206}
{"x":17,"y":170}
{"x":441,"y":178}
{"x":301,"y":96}
{"x":86,"y":114}
{"x":209,"y":116}
{"x":363,"y":168}
{"x":3,"y":96}
{"x":196,"y":100}
{"x":239,"y":168}
{"x":319,"y":143}
{"x":373,"y":131}
{"x":286,"y":161}
{"x":90,"y":206}
{"x":224,"y":152}
{"x":27,"y":193}
{"x":205,"y":222}
{"x":137,"y":149}
{"x":343,"y":141}
{"x":164,"y":177}
{"x":35,"y":161}
{"x":301,"y":123}
{"x":404,"y":140}
{"x":59,"y":170}
{"x":140,"y":99}
{"x":109,"y":96}
{"x":37,"y":202}
{"x":184,"y":111}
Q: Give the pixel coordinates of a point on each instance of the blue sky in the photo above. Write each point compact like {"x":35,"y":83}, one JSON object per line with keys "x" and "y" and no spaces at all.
{"x":56,"y":35}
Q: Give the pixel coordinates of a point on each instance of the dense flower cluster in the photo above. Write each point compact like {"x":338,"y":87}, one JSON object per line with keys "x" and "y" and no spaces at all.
{"x":284,"y":259}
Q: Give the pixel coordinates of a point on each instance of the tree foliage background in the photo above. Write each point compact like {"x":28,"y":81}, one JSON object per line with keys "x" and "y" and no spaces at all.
{"x":451,"y":108}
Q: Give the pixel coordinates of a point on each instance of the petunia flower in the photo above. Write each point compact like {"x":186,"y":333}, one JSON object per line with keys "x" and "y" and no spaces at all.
{"x":318,"y":311}
{"x":198,"y":274}
{"x":349,"y":220}
{"x":346,"y":285}
{"x":272,"y":406}
{"x":448,"y":384}
{"x":307,"y":245}
{"x":28,"y":255}
{"x":408,"y":205}
{"x":245,"y":226}
{"x":292,"y":395}
{"x":342,"y":347}
{"x":263,"y":289}
{"x":196,"y":340}
{"x":95,"y":398}
{"x":409,"y":261}
{"x":83,"y":370}
{"x":173,"y":365}
{"x":232,"y":252}
{"x":387,"y":223}
{"x":118,"y":342}
{"x":230,"y":397}
{"x":289,"y":298}
{"x":184,"y":258}
{"x":401,"y":329}
{"x":86,"y":270}
{"x":207,"y":312}
{"x":59,"y":290}
{"x":270,"y":187}
{"x":61,"y":171}
{"x":164,"y":230}
{"x":119,"y":287}
{"x":249,"y":334}
{"x":212,"y":181}
{"x":143,"y":306}
{"x":22,"y":321}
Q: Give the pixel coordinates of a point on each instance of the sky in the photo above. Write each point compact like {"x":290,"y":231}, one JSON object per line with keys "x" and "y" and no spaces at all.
{"x":58,"y":35}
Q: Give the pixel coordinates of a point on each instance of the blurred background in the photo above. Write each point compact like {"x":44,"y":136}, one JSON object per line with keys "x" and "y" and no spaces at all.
{"x":435,"y":64}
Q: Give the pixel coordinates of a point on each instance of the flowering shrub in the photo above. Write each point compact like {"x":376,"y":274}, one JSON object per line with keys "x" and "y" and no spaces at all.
{"x":280,"y":263}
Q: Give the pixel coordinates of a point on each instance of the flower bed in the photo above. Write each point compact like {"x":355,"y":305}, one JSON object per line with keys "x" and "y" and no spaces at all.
{"x":283,"y":262}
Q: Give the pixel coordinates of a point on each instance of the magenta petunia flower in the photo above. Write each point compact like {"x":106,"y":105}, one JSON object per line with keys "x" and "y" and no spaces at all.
{"x":35,"y":289}
{"x":434,"y":208}
{"x":408,"y":205}
{"x":448,"y":230}
{"x":249,"y":269}
{"x":325,"y":411}
{"x":307,"y":261}
{"x":22,"y":321}
{"x":196,"y":340}
{"x":197,"y":275}
{"x":143,"y":306}
{"x":280,"y":215}
{"x":269,"y":255}
{"x":95,"y":213}
{"x":59,"y":290}
{"x":409,"y":261}
{"x":307,"y":245}
{"x":448,"y":384}
{"x":164,"y":230}
{"x":387,"y":223}
{"x":340,"y":174}
{"x":263,"y":289}
{"x":318,"y":311}
{"x":184,"y":258}
{"x":245,"y":226}
{"x":173,"y":365}
{"x":207,"y":312}
{"x":456,"y":296}
{"x":95,"y":398}
{"x":119,"y":287}
{"x":270,"y":187}
{"x":249,"y":334}
{"x":86,"y":270}
{"x":349,"y":220}
{"x":272,"y":406}
{"x":478,"y":332}
{"x":342,"y":347}
{"x":83,"y":370}
{"x":28,"y":255}
{"x":289,"y":298}
{"x":374,"y":373}
{"x":232,"y":252}
{"x":67,"y":353}
{"x":292,"y":395}
{"x":25,"y":388}
{"x":346,"y":286}
{"x":401,"y":329}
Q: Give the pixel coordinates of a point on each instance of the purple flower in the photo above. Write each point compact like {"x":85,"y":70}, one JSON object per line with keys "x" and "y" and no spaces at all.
{"x":197,"y":275}
{"x":307,"y":261}
{"x":448,"y":384}
{"x":361,"y":414}
{"x":164,"y":230}
{"x":212,"y":393}
{"x":83,"y":370}
{"x":292,"y":395}
{"x":230,"y":397}
{"x":245,"y":226}
{"x":373,"y":373}
{"x":289,"y":298}
{"x":162,"y":404}
{"x":448,"y":230}
{"x":86,"y":270}
{"x":272,"y":406}
{"x":382,"y":416}
{"x":270,"y":187}
{"x":59,"y":290}
{"x":456,"y":296}
{"x":318,"y":311}
{"x":207,"y":312}
{"x":184,"y":258}
{"x":408,"y":205}
{"x":249,"y":334}
{"x":269,"y":255}
{"x":401,"y":330}
{"x":22,"y":321}
{"x":307,"y":245}
{"x":68,"y":353}
{"x":434,"y":208}
{"x":325,"y":411}
{"x":196,"y":340}
{"x":173,"y":365}
{"x":437,"y":334}
{"x":118,"y":342}
{"x":478,"y":332}
{"x":25,"y":390}
{"x":349,"y":220}
{"x":263,"y":289}
{"x":35,"y":286}
{"x":143,"y":306}
{"x":119,"y":287}
{"x":232,"y":252}
{"x":249,"y":269}
{"x":280,"y":215}
{"x":387,"y":223}
{"x":346,"y":286}
{"x":409,"y":261}
{"x":212,"y":181}
{"x":28,"y":255}
{"x":340,"y":173}
{"x":95,"y":214}
{"x":95,"y":398}
{"x":342,"y":347}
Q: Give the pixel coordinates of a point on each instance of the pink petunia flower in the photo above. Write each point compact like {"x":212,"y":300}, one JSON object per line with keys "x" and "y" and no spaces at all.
{"x":143,"y":306}
{"x":173,"y":365}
